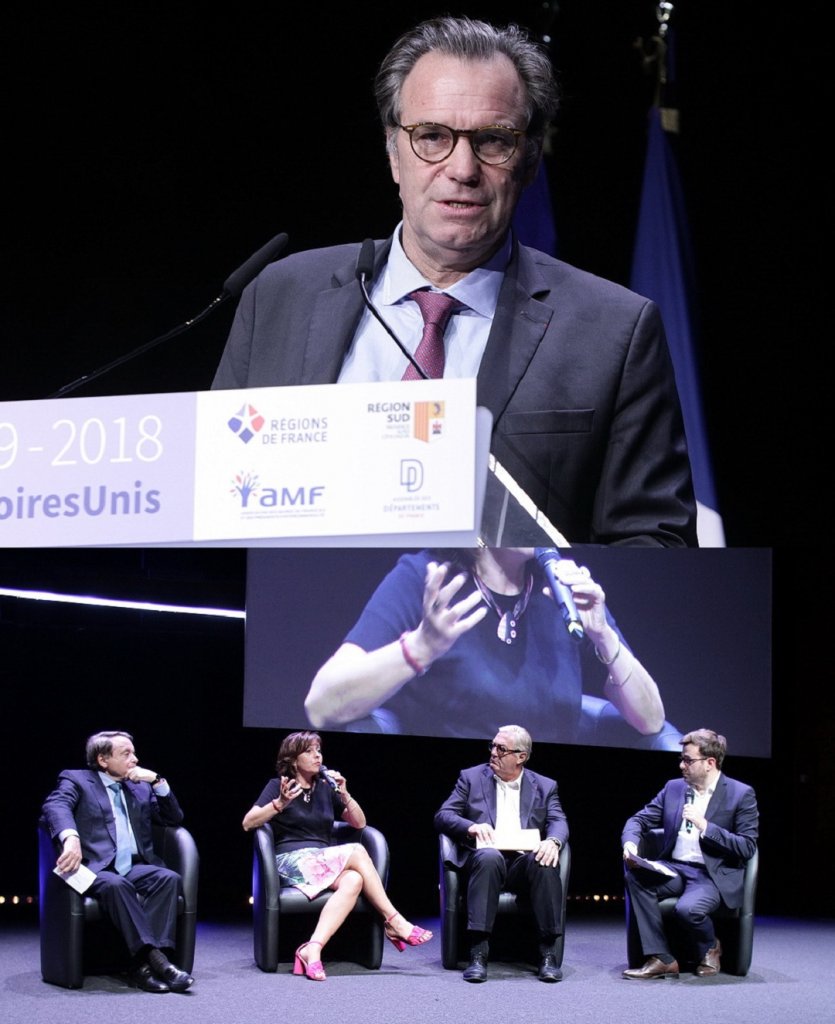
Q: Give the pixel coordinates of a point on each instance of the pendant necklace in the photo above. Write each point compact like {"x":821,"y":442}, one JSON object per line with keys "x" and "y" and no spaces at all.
{"x":508,"y":621}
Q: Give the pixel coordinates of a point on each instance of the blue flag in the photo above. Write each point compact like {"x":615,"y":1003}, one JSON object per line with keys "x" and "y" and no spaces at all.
{"x":662,"y":270}
{"x":533,"y":221}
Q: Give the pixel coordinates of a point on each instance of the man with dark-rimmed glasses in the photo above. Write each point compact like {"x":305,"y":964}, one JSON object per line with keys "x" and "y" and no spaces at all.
{"x":574,"y":369}
{"x":503,"y":797}
{"x":711,"y":824}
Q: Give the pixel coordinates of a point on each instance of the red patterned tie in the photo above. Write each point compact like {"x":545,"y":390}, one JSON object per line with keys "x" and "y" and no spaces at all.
{"x":436,"y":308}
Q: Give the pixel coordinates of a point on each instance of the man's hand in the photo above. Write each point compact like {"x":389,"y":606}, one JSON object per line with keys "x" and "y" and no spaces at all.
{"x":630,"y":850}
{"x":484,"y":833}
{"x":547,"y":854}
{"x":70,"y":856}
{"x":138,"y":774}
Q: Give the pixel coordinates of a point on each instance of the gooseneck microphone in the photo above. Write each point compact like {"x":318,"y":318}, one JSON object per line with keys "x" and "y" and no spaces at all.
{"x":365,"y":274}
{"x":689,"y":798}
{"x":232,"y":287}
{"x":548,"y":558}
{"x":323,"y":771}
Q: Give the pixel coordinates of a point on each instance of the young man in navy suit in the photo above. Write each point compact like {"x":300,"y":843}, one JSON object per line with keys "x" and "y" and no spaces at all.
{"x":711,"y":825}
{"x":102,"y":817}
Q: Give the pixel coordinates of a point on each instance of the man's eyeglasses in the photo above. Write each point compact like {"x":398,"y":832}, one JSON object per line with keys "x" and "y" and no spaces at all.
{"x":690,"y":760}
{"x":493,"y":144}
{"x":501,"y":749}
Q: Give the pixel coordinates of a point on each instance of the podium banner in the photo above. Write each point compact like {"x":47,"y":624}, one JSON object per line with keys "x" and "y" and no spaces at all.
{"x":389,"y":462}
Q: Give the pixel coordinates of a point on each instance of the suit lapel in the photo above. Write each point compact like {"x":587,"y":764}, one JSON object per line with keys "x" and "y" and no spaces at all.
{"x":333,"y":322}
{"x":334,"y":319}
{"x":102,"y":798}
{"x":518,"y":328}
{"x":718,"y":800}
{"x":488,"y":789}
{"x":526,"y":796}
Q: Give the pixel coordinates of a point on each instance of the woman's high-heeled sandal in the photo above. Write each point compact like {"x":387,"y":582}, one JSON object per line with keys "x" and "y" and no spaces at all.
{"x":313,"y":970}
{"x":416,"y":937}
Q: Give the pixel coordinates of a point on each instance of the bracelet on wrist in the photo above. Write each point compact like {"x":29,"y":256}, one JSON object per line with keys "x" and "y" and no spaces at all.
{"x":409,"y":658}
{"x":276,"y":807}
{"x":611,"y":660}
{"x":623,"y":681}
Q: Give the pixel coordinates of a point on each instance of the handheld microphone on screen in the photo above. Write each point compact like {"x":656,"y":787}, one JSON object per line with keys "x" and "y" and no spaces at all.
{"x":232,"y":288}
{"x":323,"y":771}
{"x":365,"y":274}
{"x":689,"y":798}
{"x":548,"y":558}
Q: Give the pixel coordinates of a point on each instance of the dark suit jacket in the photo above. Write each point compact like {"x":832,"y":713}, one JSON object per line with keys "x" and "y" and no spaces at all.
{"x":473,"y":801}
{"x":80,"y":801}
{"x":731,"y":835}
{"x":576,"y":374}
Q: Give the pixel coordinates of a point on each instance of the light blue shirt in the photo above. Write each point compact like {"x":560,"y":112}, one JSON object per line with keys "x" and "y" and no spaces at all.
{"x":375,"y":356}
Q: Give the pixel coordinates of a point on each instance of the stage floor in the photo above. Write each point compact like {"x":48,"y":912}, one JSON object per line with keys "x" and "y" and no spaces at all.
{"x":791,"y":978}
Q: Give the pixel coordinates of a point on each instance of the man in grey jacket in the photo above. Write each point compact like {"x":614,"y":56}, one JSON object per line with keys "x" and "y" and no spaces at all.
{"x":575,"y":370}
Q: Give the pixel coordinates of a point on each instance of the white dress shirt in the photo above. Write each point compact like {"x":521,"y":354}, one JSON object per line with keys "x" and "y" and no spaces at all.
{"x":687,"y":843}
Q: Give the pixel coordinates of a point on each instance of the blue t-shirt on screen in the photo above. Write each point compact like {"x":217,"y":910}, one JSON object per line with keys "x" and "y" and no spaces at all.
{"x":483,"y":682}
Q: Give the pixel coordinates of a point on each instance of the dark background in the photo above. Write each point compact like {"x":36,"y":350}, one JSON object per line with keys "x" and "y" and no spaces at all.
{"x":150,"y":148}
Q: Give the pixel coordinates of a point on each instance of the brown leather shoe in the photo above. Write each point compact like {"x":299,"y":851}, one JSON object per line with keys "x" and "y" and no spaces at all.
{"x":653,"y":968}
{"x":709,"y":967}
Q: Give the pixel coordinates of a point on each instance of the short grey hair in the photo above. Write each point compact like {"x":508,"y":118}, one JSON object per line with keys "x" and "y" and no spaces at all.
{"x":471,"y":40}
{"x":521,"y":737}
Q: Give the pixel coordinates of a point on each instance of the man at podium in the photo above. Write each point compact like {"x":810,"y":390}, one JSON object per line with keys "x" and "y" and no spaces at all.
{"x":575,"y":370}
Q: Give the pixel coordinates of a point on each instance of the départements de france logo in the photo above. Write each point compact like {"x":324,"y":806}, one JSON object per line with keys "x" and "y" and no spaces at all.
{"x":246,"y":422}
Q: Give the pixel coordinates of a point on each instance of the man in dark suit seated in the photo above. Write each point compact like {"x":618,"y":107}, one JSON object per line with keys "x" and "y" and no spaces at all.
{"x":103,"y":816}
{"x":710,"y":823}
{"x":487,"y":806}
{"x":574,"y":369}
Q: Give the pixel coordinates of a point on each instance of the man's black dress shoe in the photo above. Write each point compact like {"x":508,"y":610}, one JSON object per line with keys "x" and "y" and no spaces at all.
{"x":174,"y":978}
{"x":548,"y":970}
{"x":710,"y":966}
{"x":143,"y":977}
{"x":477,"y":970}
{"x":653,"y":968}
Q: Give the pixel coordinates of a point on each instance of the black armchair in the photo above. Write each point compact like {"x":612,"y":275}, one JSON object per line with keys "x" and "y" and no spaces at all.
{"x":516,"y":938}
{"x":277,"y":911}
{"x":76,"y":937}
{"x":734,"y":928}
